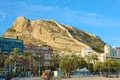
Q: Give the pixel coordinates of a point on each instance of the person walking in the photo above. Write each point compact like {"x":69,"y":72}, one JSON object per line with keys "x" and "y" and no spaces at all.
{"x":44,"y":76}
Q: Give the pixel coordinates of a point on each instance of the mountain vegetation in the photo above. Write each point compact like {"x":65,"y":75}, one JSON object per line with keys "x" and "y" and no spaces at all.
{"x":62,"y":38}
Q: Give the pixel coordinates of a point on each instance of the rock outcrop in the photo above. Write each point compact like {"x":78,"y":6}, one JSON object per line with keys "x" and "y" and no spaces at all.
{"x":63,"y":39}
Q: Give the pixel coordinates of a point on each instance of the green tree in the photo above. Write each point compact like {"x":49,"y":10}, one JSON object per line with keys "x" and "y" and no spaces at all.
{"x":37,"y":62}
{"x":15,"y":51}
{"x":81,"y":63}
{"x":55,"y":59}
{"x":15,"y":55}
{"x":69,"y":63}
{"x":97,"y":67}
{"x":9,"y":62}
{"x":2,"y":60}
{"x":93,"y":58}
{"x":111,"y":65}
{"x":78,"y":61}
{"x":28,"y":57}
{"x":66,"y":65}
{"x":90,"y":61}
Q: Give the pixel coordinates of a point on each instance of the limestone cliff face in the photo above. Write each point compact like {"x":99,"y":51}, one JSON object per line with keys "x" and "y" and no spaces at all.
{"x":62,"y":38}
{"x":21,"y":24}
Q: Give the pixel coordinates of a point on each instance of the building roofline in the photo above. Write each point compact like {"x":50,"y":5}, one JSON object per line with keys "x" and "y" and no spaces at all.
{"x":10,"y":38}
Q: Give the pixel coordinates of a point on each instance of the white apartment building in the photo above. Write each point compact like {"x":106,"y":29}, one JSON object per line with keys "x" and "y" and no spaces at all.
{"x":112,"y":51}
{"x":118,"y":51}
{"x":102,"y":57}
{"x":115,"y":51}
{"x":86,"y":51}
{"x":109,"y":51}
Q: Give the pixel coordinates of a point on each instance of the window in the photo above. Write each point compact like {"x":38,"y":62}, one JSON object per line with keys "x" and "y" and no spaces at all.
{"x":47,"y":56}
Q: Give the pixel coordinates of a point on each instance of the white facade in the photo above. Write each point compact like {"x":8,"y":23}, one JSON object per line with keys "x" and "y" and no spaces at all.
{"x":115,"y":52}
{"x":47,"y":56}
{"x":118,"y":51}
{"x":107,"y":49}
{"x":102,"y":57}
{"x":86,"y":52}
{"x":112,"y":51}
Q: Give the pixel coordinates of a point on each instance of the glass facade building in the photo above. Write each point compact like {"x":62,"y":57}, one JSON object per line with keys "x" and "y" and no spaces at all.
{"x":8,"y":44}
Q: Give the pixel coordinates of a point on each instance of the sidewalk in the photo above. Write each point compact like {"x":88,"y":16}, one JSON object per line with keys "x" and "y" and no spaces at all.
{"x":72,"y":78}
{"x":90,"y":78}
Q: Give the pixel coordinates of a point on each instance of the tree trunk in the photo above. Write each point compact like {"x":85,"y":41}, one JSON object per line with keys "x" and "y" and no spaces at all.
{"x":68,"y":74}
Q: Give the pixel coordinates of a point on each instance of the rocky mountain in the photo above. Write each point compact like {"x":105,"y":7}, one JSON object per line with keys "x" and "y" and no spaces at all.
{"x":63,"y":38}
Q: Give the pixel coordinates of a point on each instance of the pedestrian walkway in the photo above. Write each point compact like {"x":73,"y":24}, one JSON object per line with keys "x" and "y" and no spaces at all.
{"x":72,"y":78}
{"x":90,"y":78}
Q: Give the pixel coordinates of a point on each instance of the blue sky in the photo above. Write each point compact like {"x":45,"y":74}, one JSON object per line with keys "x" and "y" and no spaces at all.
{"x":101,"y":17}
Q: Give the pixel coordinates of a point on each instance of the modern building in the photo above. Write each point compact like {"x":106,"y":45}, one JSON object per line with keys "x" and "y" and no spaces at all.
{"x":45,"y":52}
{"x":112,"y":51}
{"x":40,"y":57}
{"x":102,"y":57}
{"x":35,"y":50}
{"x":86,"y":52}
{"x":8,"y":44}
{"x":107,"y":49}
{"x":115,"y":51}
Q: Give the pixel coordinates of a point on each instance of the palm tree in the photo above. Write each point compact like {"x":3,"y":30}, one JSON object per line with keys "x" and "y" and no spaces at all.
{"x":9,"y":61}
{"x":7,"y":64}
{"x":27,"y":57}
{"x":15,"y":55}
{"x":72,"y":62}
{"x":55,"y":60}
{"x":37,"y":59}
{"x":98,"y":67}
{"x":68,"y":63}
{"x":65,"y":65}
{"x":93,"y":58}
{"x":88,"y":60}
{"x":2,"y":60}
{"x":15,"y":51}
